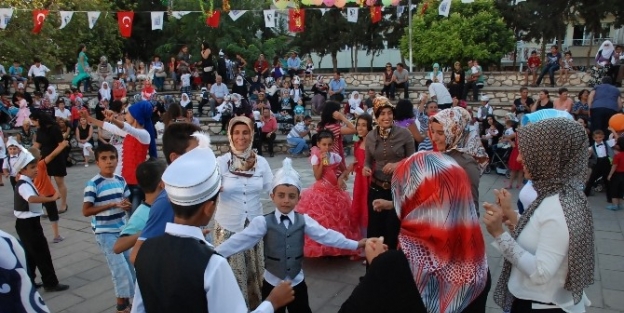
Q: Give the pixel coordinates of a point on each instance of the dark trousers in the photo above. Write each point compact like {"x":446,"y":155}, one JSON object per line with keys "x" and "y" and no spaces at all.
{"x":200,"y":107}
{"x":525,"y":306}
{"x":475,"y":90}
{"x":37,"y":251}
{"x":12,"y":179}
{"x":268,"y":140}
{"x":384,"y":223}
{"x":293,"y":73}
{"x":51,"y":210}
{"x":41,"y":80}
{"x":395,"y":86}
{"x":550,"y":69}
{"x":299,"y":305}
{"x":386,"y":90}
{"x":6,"y":79}
{"x":599,"y":119}
{"x":601,"y":169}
{"x":136,"y":196}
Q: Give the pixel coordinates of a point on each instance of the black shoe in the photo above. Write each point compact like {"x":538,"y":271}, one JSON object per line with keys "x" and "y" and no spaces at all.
{"x":271,"y":154}
{"x":38,"y":285}
{"x":58,"y":287}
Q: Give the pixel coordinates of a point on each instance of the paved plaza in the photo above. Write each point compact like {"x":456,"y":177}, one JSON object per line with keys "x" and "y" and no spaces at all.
{"x":80,"y":264}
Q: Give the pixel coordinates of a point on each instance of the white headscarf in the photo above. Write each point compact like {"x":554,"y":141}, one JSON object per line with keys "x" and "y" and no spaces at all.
{"x":184,"y":100}
{"x":607,"y":49}
{"x":105,"y":92}
{"x":51,"y":96}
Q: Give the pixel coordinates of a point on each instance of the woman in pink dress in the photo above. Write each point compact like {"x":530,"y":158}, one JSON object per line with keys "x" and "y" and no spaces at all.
{"x":326,"y":200}
{"x":23,"y":110}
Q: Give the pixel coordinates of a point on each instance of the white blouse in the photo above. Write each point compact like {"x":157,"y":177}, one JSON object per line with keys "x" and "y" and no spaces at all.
{"x":240,"y":198}
{"x":539,"y":259}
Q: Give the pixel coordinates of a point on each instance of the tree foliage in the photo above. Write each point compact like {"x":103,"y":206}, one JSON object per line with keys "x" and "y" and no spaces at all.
{"x":472,"y":30}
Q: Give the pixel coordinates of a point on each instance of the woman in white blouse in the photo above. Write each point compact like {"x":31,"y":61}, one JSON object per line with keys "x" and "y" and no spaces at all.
{"x":246,"y":178}
{"x":549,"y":250}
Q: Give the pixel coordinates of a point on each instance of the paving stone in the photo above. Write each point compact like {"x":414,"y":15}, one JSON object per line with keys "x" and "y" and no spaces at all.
{"x":613,"y":299}
{"x":612,"y":279}
{"x":61,"y":300}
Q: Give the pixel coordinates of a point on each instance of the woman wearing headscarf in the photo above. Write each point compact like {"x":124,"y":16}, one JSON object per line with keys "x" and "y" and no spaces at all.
{"x":427,"y":274}
{"x":185,"y":101}
{"x":320,"y":95}
{"x":436,"y":75}
{"x":105,"y":92}
{"x":603,"y":63}
{"x":50,"y":96}
{"x":549,"y":252}
{"x":119,"y":91}
{"x":148,"y":90}
{"x":246,"y":178}
{"x":386,"y":146}
{"x":458,"y":79}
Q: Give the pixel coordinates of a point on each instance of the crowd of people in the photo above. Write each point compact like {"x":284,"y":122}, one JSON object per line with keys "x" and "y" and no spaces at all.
{"x":140,"y":206}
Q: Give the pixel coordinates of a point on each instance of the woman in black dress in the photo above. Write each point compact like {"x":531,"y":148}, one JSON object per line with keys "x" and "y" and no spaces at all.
{"x":207,"y":66}
{"x":49,"y":136}
{"x":543,"y":102}
{"x":456,"y":84}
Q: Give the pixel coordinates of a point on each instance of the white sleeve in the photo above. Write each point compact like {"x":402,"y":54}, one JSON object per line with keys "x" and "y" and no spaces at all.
{"x":244,"y":240}
{"x":114,"y":129}
{"x":551,"y":251}
{"x":327,"y":237}
{"x":314,"y":160}
{"x":431,"y":91}
{"x":137,"y":303}
{"x":222,"y":291}
{"x":26,"y":191}
{"x":31,"y":71}
{"x":5,"y":164}
{"x":336,"y":158}
{"x":141,"y":135}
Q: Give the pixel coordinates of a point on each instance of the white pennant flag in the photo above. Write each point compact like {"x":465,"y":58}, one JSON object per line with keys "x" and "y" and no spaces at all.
{"x":269,"y":18}
{"x":235,"y":14}
{"x":445,"y":8}
{"x":5,"y":17}
{"x":92,"y":17}
{"x":518,"y":1}
{"x":66,"y":17}
{"x":179,"y":14}
{"x":400,"y":10}
{"x":467,"y":1}
{"x":323,"y":11}
{"x":157,"y":20}
{"x":352,"y":15}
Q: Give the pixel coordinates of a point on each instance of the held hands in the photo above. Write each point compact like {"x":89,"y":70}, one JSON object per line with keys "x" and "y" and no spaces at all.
{"x":362,"y":243}
{"x":281,"y":295}
{"x":381,"y":204}
{"x":493,"y":219}
{"x":389,"y":168}
{"x":374,"y":247}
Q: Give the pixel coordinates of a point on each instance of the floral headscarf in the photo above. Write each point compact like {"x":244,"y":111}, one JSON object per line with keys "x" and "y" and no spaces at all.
{"x":440,"y":233}
{"x":555,"y":171}
{"x":459,"y":135}
{"x":242,"y":161}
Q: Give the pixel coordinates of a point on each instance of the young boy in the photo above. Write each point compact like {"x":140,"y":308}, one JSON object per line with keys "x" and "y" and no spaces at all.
{"x":8,"y":166}
{"x":148,"y":176}
{"x":600,"y":162}
{"x":44,"y":185}
{"x":185,"y":82}
{"x":190,"y":276}
{"x":28,"y":210}
{"x":105,"y":200}
{"x":533,"y":64}
{"x":283,"y":233}
{"x":616,"y":176}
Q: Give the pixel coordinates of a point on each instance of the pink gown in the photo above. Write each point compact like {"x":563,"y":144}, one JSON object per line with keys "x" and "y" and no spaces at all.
{"x":329,"y":205}
{"x":22,"y":114}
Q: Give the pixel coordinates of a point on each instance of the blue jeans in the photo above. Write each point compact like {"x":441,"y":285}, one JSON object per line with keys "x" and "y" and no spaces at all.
{"x":298,"y":143}
{"x":550,"y":69}
{"x":121,"y":269}
{"x":136,"y":197}
{"x":159,"y":82}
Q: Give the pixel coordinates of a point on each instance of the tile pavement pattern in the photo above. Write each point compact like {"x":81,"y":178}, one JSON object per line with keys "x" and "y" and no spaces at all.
{"x":80,"y":264}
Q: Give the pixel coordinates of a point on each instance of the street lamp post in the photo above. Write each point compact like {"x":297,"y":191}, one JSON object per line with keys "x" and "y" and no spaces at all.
{"x":409,"y":22}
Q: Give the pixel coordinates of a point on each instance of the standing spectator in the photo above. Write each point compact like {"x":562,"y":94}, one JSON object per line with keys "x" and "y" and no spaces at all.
{"x":400,"y":79}
{"x":240,"y":65}
{"x":604,"y":101}
{"x":17,"y":71}
{"x":172,"y":73}
{"x":217,"y":92}
{"x":523,"y":104}
{"x":208,"y":66}
{"x":294,"y":64}
{"x":131,"y":73}
{"x":553,"y":64}
{"x":337,"y":88}
{"x":261,"y":67}
{"x":439,"y":93}
{"x":296,"y":137}
{"x":533,"y":64}
{"x":5,"y":78}
{"x":617,"y":68}
{"x":388,"y":80}
{"x":38,"y":73}
{"x":158,"y":69}
{"x":319,"y":89}
{"x":222,"y":67}
{"x":184,"y":60}
{"x":457,"y":81}
{"x":267,"y":131}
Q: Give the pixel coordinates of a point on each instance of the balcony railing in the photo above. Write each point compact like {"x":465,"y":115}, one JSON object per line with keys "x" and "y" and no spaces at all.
{"x":588,"y":41}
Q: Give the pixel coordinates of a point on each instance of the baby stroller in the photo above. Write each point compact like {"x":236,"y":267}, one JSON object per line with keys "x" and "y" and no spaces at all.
{"x":7,"y":117}
{"x":498,"y":161}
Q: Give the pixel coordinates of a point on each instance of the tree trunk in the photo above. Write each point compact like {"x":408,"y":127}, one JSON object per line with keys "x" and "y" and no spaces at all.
{"x":334,"y":56}
{"x":543,"y":53}
{"x":372,"y":61}
{"x":355,"y":68}
{"x":352,"y":64}
{"x":589,"y":50}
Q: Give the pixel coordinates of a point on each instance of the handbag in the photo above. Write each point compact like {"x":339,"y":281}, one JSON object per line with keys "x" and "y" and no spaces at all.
{"x":208,"y":69}
{"x":161,"y":74}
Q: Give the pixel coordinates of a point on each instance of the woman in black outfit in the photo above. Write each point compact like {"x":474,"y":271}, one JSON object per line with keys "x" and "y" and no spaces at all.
{"x":543,"y":102}
{"x":456,"y":84}
{"x":207,"y":67}
{"x":49,"y":136}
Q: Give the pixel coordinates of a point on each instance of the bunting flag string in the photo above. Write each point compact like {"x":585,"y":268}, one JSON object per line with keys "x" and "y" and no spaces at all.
{"x":296,"y":16}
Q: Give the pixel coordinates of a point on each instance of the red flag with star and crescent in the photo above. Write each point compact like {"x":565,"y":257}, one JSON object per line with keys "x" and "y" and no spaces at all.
{"x":213,"y":18}
{"x":375,"y":13}
{"x":125,"y":19}
{"x":39,"y":17}
{"x":296,"y":20}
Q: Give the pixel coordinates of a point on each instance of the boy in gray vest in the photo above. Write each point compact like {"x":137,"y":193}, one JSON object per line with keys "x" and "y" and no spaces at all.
{"x":283,"y":233}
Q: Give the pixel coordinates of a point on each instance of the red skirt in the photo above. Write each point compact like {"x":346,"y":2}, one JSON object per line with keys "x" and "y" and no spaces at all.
{"x":513,"y":163}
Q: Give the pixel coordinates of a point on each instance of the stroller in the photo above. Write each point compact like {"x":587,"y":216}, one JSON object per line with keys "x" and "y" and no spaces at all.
{"x":498,"y":161}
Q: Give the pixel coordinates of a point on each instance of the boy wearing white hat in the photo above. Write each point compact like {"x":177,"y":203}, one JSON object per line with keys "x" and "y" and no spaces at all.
{"x":8,"y":166}
{"x":283,"y":233}
{"x":28,"y":208}
{"x":190,"y":276}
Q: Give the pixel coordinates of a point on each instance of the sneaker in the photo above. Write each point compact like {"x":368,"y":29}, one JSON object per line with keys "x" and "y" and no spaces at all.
{"x":58,"y":287}
{"x":58,"y":239}
{"x":126,"y":310}
{"x":612,"y":207}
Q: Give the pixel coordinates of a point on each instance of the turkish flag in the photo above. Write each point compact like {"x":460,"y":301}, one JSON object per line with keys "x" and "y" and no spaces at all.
{"x":296,"y":20}
{"x":375,"y":14}
{"x":212,"y":19}
{"x":424,"y":8}
{"x":124,"y":19}
{"x":39,"y":17}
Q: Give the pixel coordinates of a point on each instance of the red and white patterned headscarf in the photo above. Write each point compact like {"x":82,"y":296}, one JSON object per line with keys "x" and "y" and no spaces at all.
{"x":440,"y":233}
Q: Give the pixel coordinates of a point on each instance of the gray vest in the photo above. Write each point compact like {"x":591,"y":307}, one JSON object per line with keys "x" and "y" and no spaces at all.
{"x":283,"y":248}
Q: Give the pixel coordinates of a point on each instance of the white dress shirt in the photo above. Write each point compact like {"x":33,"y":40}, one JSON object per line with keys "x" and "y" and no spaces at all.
{"x":257,"y":229}
{"x":601,"y":150}
{"x":65,"y":114}
{"x":539,"y":259}
{"x":9,"y":164}
{"x":240,"y":199}
{"x":26,"y":191}
{"x":439,"y":91}
{"x":39,"y":71}
{"x":219,"y":90}
{"x":222,"y":291}
{"x":484,"y":111}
